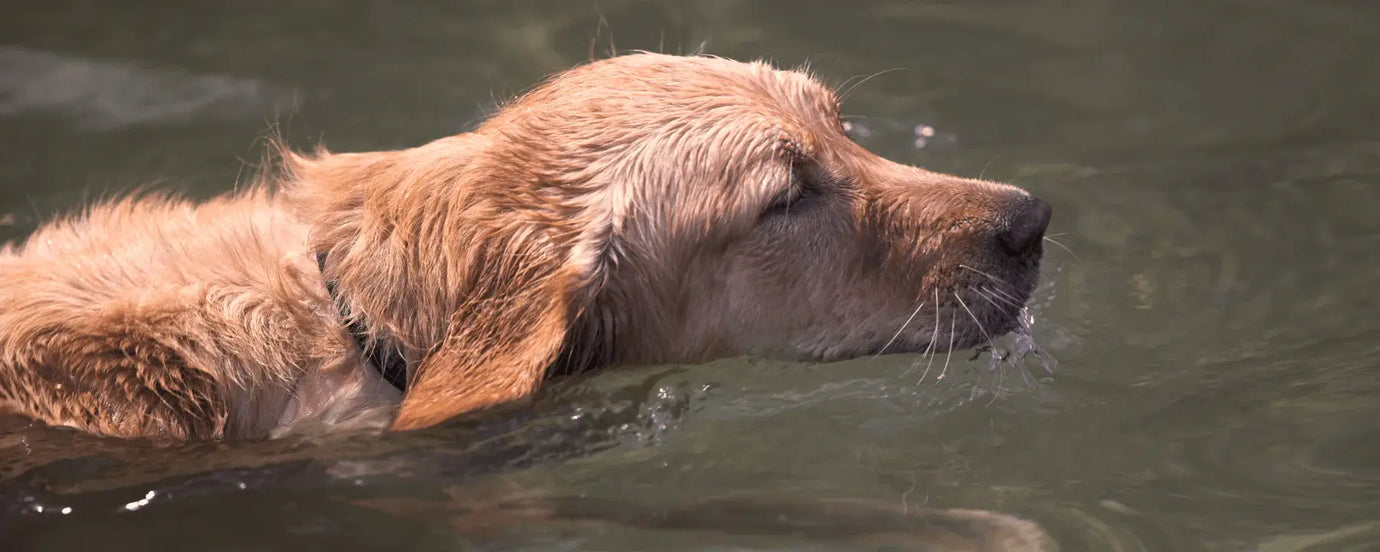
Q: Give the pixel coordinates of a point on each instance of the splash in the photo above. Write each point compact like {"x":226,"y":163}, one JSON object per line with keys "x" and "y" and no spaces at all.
{"x":1018,"y":352}
{"x":663,"y":412}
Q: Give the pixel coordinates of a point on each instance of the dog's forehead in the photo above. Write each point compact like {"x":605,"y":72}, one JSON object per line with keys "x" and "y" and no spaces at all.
{"x":617,"y":107}
{"x":757,"y":84}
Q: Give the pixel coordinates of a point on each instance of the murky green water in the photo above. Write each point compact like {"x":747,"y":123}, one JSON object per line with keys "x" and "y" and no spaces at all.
{"x":1213,"y":166}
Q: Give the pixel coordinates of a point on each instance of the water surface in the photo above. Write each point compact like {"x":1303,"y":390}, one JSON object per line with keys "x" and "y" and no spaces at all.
{"x":1213,"y":168}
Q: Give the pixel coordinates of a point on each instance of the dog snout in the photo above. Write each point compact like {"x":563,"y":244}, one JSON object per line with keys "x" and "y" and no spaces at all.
{"x":1028,"y":220}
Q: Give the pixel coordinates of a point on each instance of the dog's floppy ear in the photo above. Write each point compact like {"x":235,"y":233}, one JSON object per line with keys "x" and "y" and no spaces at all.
{"x":497,"y":351}
{"x":447,"y":254}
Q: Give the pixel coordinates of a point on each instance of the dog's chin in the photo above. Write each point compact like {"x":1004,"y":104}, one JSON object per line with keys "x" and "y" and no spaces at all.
{"x":984,"y":326}
{"x":961,"y":341}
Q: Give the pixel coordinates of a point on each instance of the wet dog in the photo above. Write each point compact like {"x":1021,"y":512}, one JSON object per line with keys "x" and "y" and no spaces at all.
{"x":635,"y":210}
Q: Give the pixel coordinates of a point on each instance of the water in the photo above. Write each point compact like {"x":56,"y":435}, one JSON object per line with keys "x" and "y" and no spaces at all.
{"x":1213,"y":166}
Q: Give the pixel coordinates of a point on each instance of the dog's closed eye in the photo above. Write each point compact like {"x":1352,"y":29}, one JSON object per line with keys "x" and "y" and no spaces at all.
{"x":804,"y":189}
{"x":782,"y":203}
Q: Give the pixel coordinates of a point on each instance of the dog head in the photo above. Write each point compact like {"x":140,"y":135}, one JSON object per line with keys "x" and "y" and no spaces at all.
{"x":652,"y":208}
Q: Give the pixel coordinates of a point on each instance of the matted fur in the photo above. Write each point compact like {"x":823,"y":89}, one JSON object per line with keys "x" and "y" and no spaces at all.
{"x":640,"y":209}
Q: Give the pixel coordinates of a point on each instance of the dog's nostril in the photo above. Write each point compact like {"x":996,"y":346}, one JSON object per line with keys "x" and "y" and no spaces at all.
{"x":1029,"y":220}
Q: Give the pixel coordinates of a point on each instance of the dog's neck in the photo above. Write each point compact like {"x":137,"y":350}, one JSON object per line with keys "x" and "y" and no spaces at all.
{"x":384,"y":357}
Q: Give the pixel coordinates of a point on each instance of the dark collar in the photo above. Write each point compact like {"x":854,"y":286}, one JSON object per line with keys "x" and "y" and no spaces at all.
{"x":387,"y":359}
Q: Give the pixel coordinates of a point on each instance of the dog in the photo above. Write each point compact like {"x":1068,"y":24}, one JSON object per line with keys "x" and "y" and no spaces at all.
{"x":640,"y":209}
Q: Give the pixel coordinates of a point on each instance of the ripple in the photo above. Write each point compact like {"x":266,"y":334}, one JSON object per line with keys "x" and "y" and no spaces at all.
{"x":109,"y":95}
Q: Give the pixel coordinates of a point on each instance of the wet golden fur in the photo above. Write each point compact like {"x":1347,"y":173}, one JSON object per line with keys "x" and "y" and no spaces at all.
{"x":641,"y":209}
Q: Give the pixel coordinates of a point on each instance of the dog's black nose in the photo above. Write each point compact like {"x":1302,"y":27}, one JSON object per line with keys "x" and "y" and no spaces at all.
{"x":1029,"y":220}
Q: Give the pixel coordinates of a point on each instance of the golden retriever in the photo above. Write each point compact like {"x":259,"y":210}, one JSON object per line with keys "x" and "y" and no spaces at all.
{"x":641,"y":209}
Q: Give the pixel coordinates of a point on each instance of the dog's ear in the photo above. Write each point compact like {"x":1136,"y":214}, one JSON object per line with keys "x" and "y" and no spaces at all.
{"x":448,"y":254}
{"x":497,"y":351}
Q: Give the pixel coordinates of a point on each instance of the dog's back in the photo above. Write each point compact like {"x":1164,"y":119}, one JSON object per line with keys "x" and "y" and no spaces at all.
{"x":153,"y":316}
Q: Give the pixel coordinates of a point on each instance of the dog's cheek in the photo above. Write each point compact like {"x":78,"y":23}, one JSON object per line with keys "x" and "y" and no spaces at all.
{"x":797,"y":264}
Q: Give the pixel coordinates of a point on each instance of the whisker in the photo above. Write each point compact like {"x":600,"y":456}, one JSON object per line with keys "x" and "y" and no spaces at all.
{"x":898,"y":333}
{"x":1008,"y":295}
{"x":1064,"y":247}
{"x":849,"y":81}
{"x":923,"y":354}
{"x":933,"y":337}
{"x":992,"y":294}
{"x":974,"y":317}
{"x":986,"y":298}
{"x":1001,"y":378}
{"x":844,"y":95}
{"x":996,"y":290}
{"x":993,"y":278}
{"x":953,"y":323}
{"x":871,"y":118}
{"x":989,"y":164}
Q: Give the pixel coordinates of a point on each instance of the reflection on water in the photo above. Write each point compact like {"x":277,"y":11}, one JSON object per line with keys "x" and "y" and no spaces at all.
{"x":1212,"y":168}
